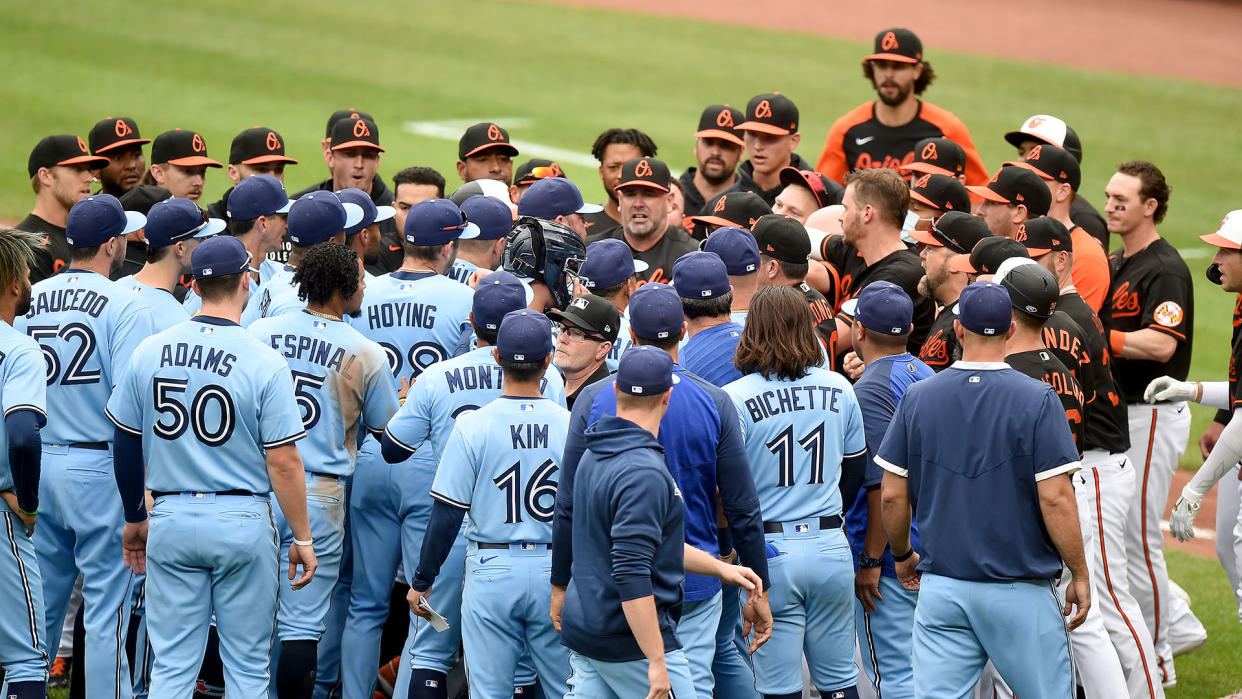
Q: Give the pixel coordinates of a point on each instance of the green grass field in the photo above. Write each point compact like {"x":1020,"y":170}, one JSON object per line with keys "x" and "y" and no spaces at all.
{"x":569,"y":73}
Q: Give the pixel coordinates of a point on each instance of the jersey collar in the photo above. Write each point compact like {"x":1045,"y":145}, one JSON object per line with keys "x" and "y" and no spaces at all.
{"x":213,"y":320}
{"x":979,"y":366}
{"x":411,"y":276}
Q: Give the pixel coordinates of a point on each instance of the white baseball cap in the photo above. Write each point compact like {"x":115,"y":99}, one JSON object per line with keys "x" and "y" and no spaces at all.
{"x":1229,"y":235}
{"x":1043,"y":127}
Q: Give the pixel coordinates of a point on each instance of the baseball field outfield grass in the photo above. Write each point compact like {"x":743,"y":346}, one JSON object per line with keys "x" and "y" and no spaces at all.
{"x":558,"y":75}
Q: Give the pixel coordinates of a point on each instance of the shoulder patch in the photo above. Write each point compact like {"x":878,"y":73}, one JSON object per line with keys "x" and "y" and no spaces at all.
{"x":1169,"y":314}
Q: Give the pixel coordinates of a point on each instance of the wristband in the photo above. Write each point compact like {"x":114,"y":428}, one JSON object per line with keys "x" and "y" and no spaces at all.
{"x":1116,"y":340}
{"x":300,"y":542}
{"x":1198,"y":392}
{"x":28,"y":514}
{"x":904,"y":557}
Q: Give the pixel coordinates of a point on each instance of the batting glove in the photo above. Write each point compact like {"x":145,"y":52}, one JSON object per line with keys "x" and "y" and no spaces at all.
{"x":1167,"y":388}
{"x":1181,"y":522}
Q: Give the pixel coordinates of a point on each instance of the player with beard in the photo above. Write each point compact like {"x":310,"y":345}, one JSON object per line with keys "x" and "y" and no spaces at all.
{"x":60,"y":174}
{"x":884,"y":132}
{"x":644,"y":194}
{"x":612,"y":149}
{"x":118,"y":140}
{"x":717,"y":149}
{"x":954,"y":233}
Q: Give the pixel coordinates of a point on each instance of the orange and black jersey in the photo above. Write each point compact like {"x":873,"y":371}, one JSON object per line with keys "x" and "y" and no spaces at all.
{"x":599,"y":223}
{"x":858,"y":141}
{"x":843,"y":263}
{"x":660,"y":257}
{"x":825,"y":322}
{"x":940,"y":349}
{"x":1222,"y":416}
{"x":1104,"y":409}
{"x":1150,"y":290}
{"x":1044,"y":366}
{"x":905,"y":269}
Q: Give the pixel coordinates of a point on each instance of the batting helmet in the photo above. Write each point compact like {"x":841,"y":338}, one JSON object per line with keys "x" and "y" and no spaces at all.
{"x":1032,"y":288}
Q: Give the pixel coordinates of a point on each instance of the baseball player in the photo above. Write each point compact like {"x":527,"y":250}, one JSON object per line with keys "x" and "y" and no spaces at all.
{"x":558,"y":199}
{"x":644,"y":194}
{"x":806,"y":447}
{"x":484,"y":152}
{"x":484,"y":251}
{"x":937,"y":156}
{"x":932,"y":195}
{"x":785,"y":250}
{"x":717,"y":149}
{"x":87,"y":327}
{"x":1148,"y":316}
{"x":364,"y":236}
{"x":770,"y":131}
{"x":341,"y":382}
{"x":416,"y":314}
{"x":530,"y":172}
{"x":953,"y":234}
{"x":740,"y":253}
{"x":314,"y":218}
{"x":215,"y":415}
{"x":613,"y":148}
{"x":410,"y":186}
{"x":606,"y":273}
{"x":705,"y":455}
{"x":884,"y":612}
{"x":883,"y":132}
{"x":803,"y":192}
{"x":179,"y":163}
{"x":255,"y":151}
{"x":1042,"y":128}
{"x":500,"y":465}
{"x":1013,"y":195}
{"x":702,"y":281}
{"x":971,"y":596}
{"x":547,"y":257}
{"x":118,"y":140}
{"x":23,"y":650}
{"x":731,"y":208}
{"x":60,"y":173}
{"x":1222,"y":462}
{"x":421,"y":429}
{"x":173,"y":229}
{"x":627,"y":551}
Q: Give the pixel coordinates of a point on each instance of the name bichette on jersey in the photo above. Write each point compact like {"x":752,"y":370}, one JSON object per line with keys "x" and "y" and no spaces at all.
{"x":792,"y":399}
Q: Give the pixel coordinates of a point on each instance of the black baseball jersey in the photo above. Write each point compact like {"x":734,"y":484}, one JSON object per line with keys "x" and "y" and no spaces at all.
{"x":1150,"y":290}
{"x":1104,"y":409}
{"x":1044,"y":366}
{"x":1222,"y":416}
{"x":905,"y":269}
{"x":599,"y":223}
{"x":843,"y":263}
{"x":825,"y":321}
{"x":746,"y":182}
{"x":1086,"y":217}
{"x":55,"y":253}
{"x":660,"y":258}
{"x":940,"y":349}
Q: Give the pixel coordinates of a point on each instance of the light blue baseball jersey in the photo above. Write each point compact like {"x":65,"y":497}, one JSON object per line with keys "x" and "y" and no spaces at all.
{"x":500,"y":463}
{"x":207,"y":398}
{"x":267,"y":268}
{"x":738,"y":317}
{"x":450,"y":390}
{"x":88,"y":327}
{"x":621,"y":345}
{"x":339,"y":376}
{"x":417,"y":317}
{"x":21,"y":386}
{"x":462,"y":270}
{"x":797,"y":433}
{"x":277,"y":296}
{"x":166,"y":311}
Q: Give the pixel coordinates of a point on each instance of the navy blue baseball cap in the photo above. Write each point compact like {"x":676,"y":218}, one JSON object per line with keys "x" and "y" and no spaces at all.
{"x":99,"y":218}
{"x":885,"y":308}
{"x":655,"y":312}
{"x":219,"y":257}
{"x":492,"y":216}
{"x":552,"y":197}
{"x":700,"y":275}
{"x":525,"y":336}
{"x":985,"y":309}
{"x":370,"y":212}
{"x":317,"y":216}
{"x":737,"y":247}
{"x":258,"y":195}
{"x":173,"y":220}
{"x":608,"y":263}
{"x":645,"y":371}
{"x":498,"y":294}
{"x":436,"y":222}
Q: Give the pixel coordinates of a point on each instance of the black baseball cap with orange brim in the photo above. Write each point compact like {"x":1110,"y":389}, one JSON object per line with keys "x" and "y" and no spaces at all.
{"x":645,"y":172}
{"x":484,"y":136}
{"x":940,"y":192}
{"x":897,"y":44}
{"x":739,"y":209}
{"x":956,"y":230}
{"x":181,"y":148}
{"x":937,"y":156}
{"x":1043,"y":235}
{"x":1052,"y":164}
{"x":114,"y":132}
{"x":1016,"y":185}
{"x":258,"y":145}
{"x":771,"y":113}
{"x":62,"y":149}
{"x":341,"y":115}
{"x":355,"y":133}
{"x":721,"y":121}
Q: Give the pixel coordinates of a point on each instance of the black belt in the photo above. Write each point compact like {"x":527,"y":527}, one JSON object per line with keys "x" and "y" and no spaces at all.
{"x":97,"y":446}
{"x":833,"y":522}
{"x":165,"y":493}
{"x":329,"y":476}
{"x":487,"y":546}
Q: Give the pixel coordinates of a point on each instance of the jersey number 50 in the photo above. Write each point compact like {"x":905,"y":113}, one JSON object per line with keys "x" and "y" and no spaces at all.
{"x":196,"y":416}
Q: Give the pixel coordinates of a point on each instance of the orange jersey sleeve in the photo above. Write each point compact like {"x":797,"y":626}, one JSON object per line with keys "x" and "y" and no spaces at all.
{"x":1090,"y":271}
{"x":956,"y":131}
{"x":832,"y":162}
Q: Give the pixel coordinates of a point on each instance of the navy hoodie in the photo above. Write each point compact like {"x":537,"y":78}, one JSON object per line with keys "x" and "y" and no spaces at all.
{"x":627,"y":542}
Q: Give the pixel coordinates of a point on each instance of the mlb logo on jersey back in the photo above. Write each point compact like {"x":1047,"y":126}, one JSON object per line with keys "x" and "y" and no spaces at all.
{"x":527,"y":407}
{"x":318,"y":324}
{"x":206,"y":330}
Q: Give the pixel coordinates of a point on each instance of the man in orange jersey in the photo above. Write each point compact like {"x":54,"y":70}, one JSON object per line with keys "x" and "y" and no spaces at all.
{"x":883,"y":132}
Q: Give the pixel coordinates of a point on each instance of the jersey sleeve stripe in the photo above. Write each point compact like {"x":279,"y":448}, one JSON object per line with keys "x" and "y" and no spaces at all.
{"x":398,"y":442}
{"x":282,"y":442}
{"x":25,"y":406}
{"x":120,"y":425}
{"x":1066,"y":468}
{"x":858,"y":453}
{"x":1170,"y":331}
{"x":891,"y":467}
{"x":450,"y":501}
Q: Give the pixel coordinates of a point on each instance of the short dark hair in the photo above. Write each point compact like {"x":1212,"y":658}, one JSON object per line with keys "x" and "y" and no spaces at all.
{"x":884,"y":339}
{"x":419,"y":175}
{"x":241,"y":226}
{"x":920,"y":84}
{"x":1026,"y":321}
{"x":632,"y":137}
{"x":427,"y":253}
{"x":488,"y":336}
{"x":521,"y":371}
{"x":611,"y":291}
{"x":1152,"y":184}
{"x":884,"y":190}
{"x":707,"y":308}
{"x":158,"y":254}
{"x":792,"y":270}
{"x":778,"y":341}
{"x":667,"y":344}
{"x":218,"y":288}
{"x":84,"y":254}
{"x":326,"y":269}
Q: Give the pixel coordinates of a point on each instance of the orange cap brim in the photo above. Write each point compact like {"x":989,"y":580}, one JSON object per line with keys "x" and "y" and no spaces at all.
{"x":961,"y":263}
{"x":195,"y":161}
{"x":923,"y":200}
{"x":890,"y":57}
{"x":722,"y":135}
{"x":926,"y":238}
{"x":1027,"y":166}
{"x":507,"y":146}
{"x":763,"y":128}
{"x":642,"y":183}
{"x":1038,"y":252}
{"x":714,"y":221}
{"x":86,"y":160}
{"x":987,"y":194}
{"x":1220,"y":241}
{"x":122,"y":144}
{"x":269,"y":159}
{"x":926,"y":168}
{"x":356,"y":144}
